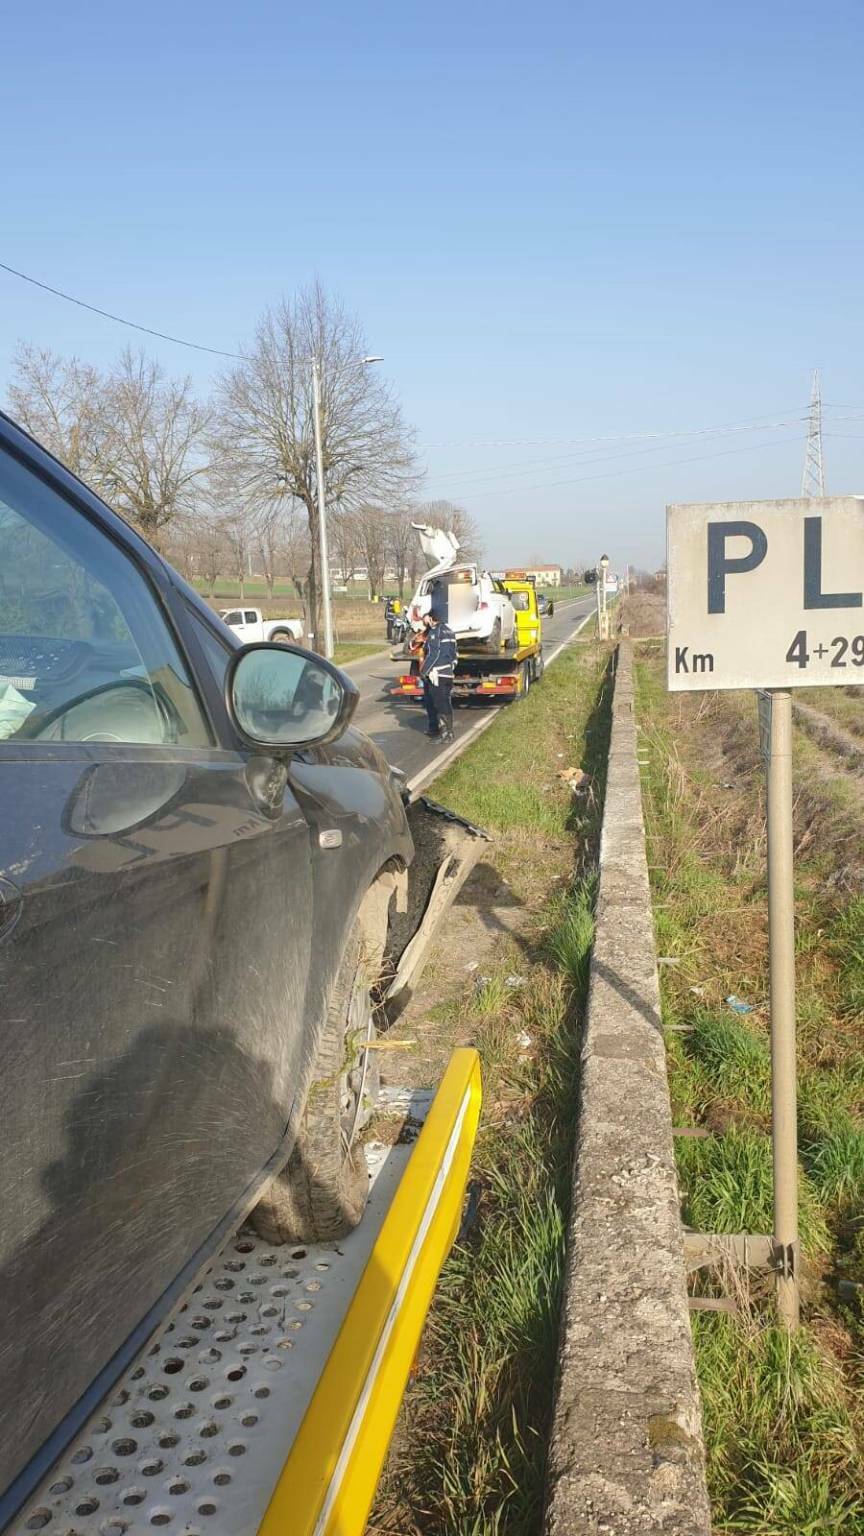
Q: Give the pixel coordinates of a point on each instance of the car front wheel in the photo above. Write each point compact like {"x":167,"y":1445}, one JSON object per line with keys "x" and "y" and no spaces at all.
{"x":322,"y":1193}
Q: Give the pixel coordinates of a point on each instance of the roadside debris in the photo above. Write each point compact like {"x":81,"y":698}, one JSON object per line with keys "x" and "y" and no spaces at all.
{"x":737,"y":1004}
{"x":386,"y":1044}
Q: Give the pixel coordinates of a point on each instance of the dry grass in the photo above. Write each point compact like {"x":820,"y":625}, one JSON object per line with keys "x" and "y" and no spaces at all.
{"x":799,"y":1464}
{"x":470,"y":1457}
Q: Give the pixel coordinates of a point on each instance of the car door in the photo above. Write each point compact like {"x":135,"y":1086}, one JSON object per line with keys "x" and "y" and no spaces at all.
{"x":155,"y":934}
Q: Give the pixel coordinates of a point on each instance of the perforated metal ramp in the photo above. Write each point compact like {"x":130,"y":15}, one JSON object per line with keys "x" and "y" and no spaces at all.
{"x":195,"y":1435}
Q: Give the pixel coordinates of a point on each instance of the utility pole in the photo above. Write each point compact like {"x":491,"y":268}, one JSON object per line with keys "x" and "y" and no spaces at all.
{"x":323,"y":548}
{"x":327,"y":611}
{"x":813,"y":479}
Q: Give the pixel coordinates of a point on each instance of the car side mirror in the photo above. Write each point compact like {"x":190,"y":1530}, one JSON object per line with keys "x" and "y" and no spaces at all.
{"x":281,"y":696}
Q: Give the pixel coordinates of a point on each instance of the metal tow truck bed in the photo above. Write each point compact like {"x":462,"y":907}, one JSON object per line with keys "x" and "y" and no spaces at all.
{"x":267,"y":1400}
{"x":479,"y":675}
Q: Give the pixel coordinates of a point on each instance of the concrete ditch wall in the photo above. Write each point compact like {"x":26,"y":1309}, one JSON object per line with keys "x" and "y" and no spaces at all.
{"x":626,"y":1452}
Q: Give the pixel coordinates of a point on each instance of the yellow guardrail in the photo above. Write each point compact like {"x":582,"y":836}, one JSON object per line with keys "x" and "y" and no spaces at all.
{"x":328,"y":1482}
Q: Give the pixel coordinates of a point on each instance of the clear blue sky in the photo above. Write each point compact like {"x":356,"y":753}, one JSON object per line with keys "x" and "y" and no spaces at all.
{"x":557,"y":221}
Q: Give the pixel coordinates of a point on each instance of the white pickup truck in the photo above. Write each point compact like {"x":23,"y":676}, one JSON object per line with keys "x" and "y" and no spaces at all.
{"x":249,"y":625}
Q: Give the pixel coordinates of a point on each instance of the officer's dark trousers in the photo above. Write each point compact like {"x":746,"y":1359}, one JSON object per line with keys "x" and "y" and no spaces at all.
{"x":439,"y":704}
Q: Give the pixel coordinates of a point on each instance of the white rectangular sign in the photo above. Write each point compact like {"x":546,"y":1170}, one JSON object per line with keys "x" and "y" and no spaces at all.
{"x":765,"y":594}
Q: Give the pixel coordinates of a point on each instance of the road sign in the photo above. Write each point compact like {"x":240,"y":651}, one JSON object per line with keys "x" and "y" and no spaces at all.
{"x":770,"y":595}
{"x":765,"y":594}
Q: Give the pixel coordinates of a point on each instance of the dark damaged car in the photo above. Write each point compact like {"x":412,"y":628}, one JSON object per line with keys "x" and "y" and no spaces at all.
{"x":197,"y":860}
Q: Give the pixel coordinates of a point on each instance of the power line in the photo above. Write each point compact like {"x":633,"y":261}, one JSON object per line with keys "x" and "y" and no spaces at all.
{"x":614,"y":437}
{"x":636,"y":469}
{"x":661,"y":440}
{"x":813,"y":475}
{"x":106,"y":314}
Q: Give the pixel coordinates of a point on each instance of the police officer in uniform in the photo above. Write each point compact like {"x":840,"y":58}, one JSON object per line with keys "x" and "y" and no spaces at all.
{"x":437,"y":670}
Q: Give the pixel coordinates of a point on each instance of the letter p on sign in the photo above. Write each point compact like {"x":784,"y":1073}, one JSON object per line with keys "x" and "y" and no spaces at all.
{"x":765,"y":594}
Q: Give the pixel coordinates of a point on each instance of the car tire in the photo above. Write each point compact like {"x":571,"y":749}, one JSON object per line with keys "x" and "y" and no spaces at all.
{"x":322,"y":1192}
{"x":282,"y":637}
{"x":495,"y":637}
{"x":526,"y":679}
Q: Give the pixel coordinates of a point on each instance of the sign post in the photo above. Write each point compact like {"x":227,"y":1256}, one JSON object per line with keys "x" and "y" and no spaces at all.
{"x":769,"y":595}
{"x":781,"y":941}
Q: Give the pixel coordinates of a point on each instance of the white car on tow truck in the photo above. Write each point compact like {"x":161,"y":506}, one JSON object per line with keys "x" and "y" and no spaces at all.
{"x":250,"y":625}
{"x":479,"y":610}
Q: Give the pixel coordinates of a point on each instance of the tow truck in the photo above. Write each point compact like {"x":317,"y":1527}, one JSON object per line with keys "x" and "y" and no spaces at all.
{"x":481,"y":675}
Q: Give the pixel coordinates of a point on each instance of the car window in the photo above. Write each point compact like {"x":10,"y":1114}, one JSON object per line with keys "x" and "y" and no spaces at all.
{"x":217,"y":652}
{"x":250,"y":616}
{"x":233,"y":616}
{"x":520,"y":601}
{"x":85,"y":651}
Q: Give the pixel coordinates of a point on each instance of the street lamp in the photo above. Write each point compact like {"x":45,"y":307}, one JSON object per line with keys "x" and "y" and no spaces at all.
{"x":604,"y":566}
{"x":327,"y":610}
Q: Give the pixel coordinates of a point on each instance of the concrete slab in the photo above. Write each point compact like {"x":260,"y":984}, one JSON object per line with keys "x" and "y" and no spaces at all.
{"x":626,"y":1456}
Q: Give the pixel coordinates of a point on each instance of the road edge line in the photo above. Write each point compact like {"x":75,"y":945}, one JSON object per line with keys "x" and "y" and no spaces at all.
{"x":421,"y":780}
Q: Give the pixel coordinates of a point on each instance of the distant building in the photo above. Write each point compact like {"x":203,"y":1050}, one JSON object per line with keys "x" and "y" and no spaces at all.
{"x":545,"y":575}
{"x":541,"y":575}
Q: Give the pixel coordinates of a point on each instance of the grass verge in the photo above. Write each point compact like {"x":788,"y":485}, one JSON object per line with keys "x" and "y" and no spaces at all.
{"x":471,"y":1458}
{"x":355,"y":650}
{"x":783,"y":1418}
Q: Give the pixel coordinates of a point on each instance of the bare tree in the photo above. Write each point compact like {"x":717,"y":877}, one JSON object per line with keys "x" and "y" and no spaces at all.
{"x":234,"y":510}
{"x":445,"y":514}
{"x":344,"y":544}
{"x":152,"y":454}
{"x":134,"y":435}
{"x":372,"y":534}
{"x":266,"y":414}
{"x":404,"y":549}
{"x":210,"y":551}
{"x":60,"y":401}
{"x":268,"y":531}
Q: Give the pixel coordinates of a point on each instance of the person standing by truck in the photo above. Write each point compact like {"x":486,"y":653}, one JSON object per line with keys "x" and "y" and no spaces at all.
{"x":437,"y":671}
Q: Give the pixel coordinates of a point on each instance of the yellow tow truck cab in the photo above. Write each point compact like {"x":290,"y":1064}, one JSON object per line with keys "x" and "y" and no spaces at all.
{"x":523,"y":598}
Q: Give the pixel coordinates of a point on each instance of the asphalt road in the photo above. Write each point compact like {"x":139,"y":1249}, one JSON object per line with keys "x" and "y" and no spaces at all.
{"x":398,"y":725}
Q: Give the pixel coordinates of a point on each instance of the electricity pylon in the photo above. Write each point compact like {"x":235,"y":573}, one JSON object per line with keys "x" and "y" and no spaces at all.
{"x":813,"y":479}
